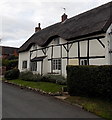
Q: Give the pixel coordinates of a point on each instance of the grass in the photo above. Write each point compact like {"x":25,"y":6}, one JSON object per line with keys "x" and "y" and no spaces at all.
{"x":44,"y":86}
{"x":99,"y":107}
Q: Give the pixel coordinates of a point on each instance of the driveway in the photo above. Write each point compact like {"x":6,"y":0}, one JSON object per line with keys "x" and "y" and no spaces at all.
{"x":22,"y":103}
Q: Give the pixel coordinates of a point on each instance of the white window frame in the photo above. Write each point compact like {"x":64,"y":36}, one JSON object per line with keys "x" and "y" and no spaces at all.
{"x":56,"y":64}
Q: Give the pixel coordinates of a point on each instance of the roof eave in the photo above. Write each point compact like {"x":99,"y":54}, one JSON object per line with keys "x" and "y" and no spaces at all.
{"x":87,"y":35}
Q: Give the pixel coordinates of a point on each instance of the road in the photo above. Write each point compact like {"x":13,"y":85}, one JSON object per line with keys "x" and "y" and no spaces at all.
{"x":22,"y":103}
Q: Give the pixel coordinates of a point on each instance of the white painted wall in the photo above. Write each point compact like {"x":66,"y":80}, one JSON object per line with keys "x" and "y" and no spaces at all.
{"x":39,"y":67}
{"x":24,"y":56}
{"x":74,"y":50}
{"x":83,"y":49}
{"x":45,"y":66}
{"x":56,"y":52}
{"x":109,"y":45}
{"x":64,"y":64}
{"x":96,"y":48}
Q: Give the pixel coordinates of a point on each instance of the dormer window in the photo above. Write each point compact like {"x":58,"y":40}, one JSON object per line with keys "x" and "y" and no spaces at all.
{"x":56,"y":41}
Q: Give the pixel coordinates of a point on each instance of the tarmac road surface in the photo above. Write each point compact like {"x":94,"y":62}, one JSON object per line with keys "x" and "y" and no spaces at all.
{"x":23,"y":103}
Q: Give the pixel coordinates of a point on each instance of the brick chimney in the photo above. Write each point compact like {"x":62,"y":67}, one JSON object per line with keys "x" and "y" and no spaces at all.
{"x":63,"y":17}
{"x":38,"y":28}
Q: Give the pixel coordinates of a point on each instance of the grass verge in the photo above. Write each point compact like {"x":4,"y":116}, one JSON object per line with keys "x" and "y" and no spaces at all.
{"x":97,"y":106}
{"x":44,"y":86}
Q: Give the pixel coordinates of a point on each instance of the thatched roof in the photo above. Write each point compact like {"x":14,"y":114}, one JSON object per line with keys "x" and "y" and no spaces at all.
{"x":92,"y":22}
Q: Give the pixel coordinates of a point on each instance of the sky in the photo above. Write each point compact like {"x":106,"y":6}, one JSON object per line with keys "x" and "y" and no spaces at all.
{"x":18,"y":18}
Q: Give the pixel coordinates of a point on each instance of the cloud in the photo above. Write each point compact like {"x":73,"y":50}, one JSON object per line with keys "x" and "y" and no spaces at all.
{"x":20,"y":17}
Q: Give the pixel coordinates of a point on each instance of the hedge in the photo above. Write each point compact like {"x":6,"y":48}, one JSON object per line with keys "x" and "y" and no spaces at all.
{"x":90,"y":81}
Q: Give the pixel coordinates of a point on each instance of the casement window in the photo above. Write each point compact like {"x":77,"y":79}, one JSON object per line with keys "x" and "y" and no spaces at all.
{"x":56,"y":64}
{"x":33,"y":66}
{"x":24,"y":64}
{"x":83,"y":62}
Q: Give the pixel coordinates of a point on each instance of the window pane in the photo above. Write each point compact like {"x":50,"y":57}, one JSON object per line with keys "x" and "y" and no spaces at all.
{"x":24,"y":65}
{"x":82,"y":62}
{"x":56,"y":64}
{"x":33,"y":66}
{"x":85,"y":62}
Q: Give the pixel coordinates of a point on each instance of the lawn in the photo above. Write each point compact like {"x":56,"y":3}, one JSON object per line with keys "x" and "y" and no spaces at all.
{"x":44,"y":86}
{"x":99,"y":107}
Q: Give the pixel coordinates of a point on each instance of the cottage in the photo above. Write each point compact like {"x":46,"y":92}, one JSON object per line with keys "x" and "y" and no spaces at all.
{"x":85,"y":39}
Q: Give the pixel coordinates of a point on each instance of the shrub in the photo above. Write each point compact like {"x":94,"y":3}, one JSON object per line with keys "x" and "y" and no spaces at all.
{"x":61,"y":81}
{"x":92,"y":81}
{"x":29,"y":76}
{"x":12,"y":74}
{"x":54,"y":79}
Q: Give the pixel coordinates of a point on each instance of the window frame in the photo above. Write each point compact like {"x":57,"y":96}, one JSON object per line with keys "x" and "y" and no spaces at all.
{"x":83,"y":62}
{"x":24,"y":64}
{"x":33,"y":66}
{"x":56,"y":64}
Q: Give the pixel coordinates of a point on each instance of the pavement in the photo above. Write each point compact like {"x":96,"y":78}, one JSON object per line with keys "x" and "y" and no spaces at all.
{"x":23,"y":103}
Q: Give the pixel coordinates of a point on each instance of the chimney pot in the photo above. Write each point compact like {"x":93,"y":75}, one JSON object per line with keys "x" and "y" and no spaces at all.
{"x":39,"y":25}
{"x":38,"y":28}
{"x":63,"y":17}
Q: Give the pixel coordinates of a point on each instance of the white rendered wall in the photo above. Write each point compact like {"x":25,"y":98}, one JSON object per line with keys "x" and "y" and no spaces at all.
{"x":96,"y":49}
{"x":109,"y":45}
{"x":24,"y":56}
{"x":74,"y":50}
{"x":45,"y":66}
{"x":39,"y":67}
{"x":83,"y":49}
{"x":64,"y":64}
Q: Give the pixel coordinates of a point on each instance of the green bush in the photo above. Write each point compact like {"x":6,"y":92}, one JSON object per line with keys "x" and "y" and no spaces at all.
{"x":92,"y":81}
{"x":12,"y":74}
{"x":29,"y":76}
{"x":61,"y":81}
{"x":54,"y":79}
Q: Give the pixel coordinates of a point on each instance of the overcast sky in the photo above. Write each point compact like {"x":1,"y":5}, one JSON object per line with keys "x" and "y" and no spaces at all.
{"x":18,"y":18}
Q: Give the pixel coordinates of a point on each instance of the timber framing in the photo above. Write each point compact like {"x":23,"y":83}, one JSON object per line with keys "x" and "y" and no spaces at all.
{"x":67,"y":46}
{"x":101,"y":42}
{"x":88,"y":52}
{"x":52,"y":59}
{"x":79,"y":52}
{"x":70,"y":42}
